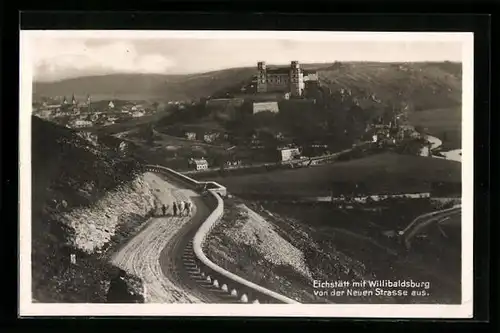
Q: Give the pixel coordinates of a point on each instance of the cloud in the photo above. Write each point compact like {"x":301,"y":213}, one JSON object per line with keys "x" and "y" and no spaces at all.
{"x":65,"y":57}
{"x":60,"y":58}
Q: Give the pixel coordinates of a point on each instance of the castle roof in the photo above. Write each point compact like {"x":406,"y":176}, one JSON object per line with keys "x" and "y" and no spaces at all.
{"x":286,"y":70}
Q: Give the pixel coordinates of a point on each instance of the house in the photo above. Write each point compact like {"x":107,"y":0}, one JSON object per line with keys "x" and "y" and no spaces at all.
{"x":210,"y":137}
{"x":111,"y":105}
{"x":199,"y":164}
{"x":233,"y":163}
{"x":190,"y":135}
{"x":287,"y":154}
{"x":78,"y":123}
{"x":137,"y":114}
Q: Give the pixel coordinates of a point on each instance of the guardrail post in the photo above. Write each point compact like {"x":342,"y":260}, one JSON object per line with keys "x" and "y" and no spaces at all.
{"x":244,"y":298}
{"x":224,"y":287}
{"x":216,"y":283}
{"x":234,"y":293}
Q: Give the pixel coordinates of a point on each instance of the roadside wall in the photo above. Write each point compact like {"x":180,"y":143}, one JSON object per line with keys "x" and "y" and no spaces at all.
{"x":245,"y":290}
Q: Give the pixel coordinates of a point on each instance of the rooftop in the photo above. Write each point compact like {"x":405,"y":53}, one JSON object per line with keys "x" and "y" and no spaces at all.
{"x":286,"y":70}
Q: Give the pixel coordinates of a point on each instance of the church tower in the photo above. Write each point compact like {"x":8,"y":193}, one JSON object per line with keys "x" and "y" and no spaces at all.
{"x":261,"y":77}
{"x":296,"y":79}
{"x":89,"y":101}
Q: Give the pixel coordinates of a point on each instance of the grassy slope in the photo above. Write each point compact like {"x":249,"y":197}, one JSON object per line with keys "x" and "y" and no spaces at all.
{"x":446,"y":124}
{"x":332,"y":248}
{"x":421,"y":85}
{"x":386,"y":172}
{"x":67,"y":167}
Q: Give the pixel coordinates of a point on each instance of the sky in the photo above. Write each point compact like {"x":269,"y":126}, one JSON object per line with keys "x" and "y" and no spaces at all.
{"x":60,"y":57}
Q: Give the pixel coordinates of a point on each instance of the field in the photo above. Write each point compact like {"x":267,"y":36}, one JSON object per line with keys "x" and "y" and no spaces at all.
{"x":446,"y":124}
{"x":381,"y":173}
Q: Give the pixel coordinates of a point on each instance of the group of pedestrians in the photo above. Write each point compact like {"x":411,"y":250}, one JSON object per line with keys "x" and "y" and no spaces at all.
{"x":181,"y":208}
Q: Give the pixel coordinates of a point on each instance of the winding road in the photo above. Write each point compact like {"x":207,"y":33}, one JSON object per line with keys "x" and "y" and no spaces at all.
{"x":161,"y":254}
{"x":423,"y":220}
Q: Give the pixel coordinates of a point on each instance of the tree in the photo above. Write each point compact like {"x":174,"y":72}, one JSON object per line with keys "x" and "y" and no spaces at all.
{"x":420,"y":129}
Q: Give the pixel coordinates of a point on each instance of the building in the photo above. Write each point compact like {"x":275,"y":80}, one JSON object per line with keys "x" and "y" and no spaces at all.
{"x":190,"y":135}
{"x":80,"y":123}
{"x":283,"y":79}
{"x":265,"y":106}
{"x":199,"y":164}
{"x":210,"y":137}
{"x":288,"y":154}
{"x":111,"y":105}
{"x":138,"y":114}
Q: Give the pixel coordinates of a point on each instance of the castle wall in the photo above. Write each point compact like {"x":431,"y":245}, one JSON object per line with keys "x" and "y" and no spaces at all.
{"x":278,"y":82}
{"x":265,"y":106}
{"x":225,"y":102}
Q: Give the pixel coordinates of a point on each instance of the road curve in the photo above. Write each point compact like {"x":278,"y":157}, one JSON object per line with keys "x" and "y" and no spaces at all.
{"x":161,"y":254}
{"x":414,"y":228}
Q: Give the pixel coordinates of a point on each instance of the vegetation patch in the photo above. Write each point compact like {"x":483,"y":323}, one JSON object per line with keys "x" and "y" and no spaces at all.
{"x":379,"y":173}
{"x":88,"y":196}
{"x":323,"y":242}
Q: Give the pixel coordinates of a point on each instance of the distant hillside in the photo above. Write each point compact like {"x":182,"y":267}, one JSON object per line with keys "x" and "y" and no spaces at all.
{"x":145,"y":86}
{"x":424,"y":85}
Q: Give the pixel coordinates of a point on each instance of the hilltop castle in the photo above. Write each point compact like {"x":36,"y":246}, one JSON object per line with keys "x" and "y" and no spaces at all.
{"x":283,"y":79}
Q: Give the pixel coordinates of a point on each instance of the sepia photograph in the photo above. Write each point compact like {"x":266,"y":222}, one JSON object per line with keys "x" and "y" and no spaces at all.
{"x":299,"y":173}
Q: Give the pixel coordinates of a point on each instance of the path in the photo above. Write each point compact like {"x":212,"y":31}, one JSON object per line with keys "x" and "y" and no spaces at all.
{"x":158,"y":254}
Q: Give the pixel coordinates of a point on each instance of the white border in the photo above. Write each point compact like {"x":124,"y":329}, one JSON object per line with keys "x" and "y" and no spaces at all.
{"x":465,"y":310}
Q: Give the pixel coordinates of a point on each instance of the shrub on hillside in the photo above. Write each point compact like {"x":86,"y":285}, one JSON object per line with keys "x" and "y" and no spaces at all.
{"x":82,"y":192}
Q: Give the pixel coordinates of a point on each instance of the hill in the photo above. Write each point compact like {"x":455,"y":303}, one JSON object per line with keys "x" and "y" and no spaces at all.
{"x":145,"y":86}
{"x":446,"y":124}
{"x":87,"y":196}
{"x":421,"y":85}
{"x":380,"y":173}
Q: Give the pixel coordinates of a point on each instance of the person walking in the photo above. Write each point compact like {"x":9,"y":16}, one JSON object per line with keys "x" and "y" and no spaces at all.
{"x":181,"y":208}
{"x":118,"y":289}
{"x":189,"y":207}
{"x":164,"y":209}
{"x":175,"y":208}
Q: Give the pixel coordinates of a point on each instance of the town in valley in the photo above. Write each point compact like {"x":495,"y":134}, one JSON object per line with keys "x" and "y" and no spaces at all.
{"x":301,"y":178}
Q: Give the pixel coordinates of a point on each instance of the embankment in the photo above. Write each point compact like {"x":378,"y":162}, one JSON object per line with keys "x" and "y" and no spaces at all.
{"x":89,"y":233}
{"x":88,"y":196}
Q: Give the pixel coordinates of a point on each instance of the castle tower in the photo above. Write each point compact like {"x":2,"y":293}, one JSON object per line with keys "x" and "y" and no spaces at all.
{"x":296,"y":79}
{"x":261,"y":77}
{"x":89,"y":101}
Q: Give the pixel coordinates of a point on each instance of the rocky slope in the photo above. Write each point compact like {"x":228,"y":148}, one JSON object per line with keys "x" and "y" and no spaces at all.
{"x":286,"y":248}
{"x":88,"y":197}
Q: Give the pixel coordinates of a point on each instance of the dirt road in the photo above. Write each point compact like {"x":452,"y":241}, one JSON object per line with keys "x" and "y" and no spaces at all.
{"x":161,"y":254}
